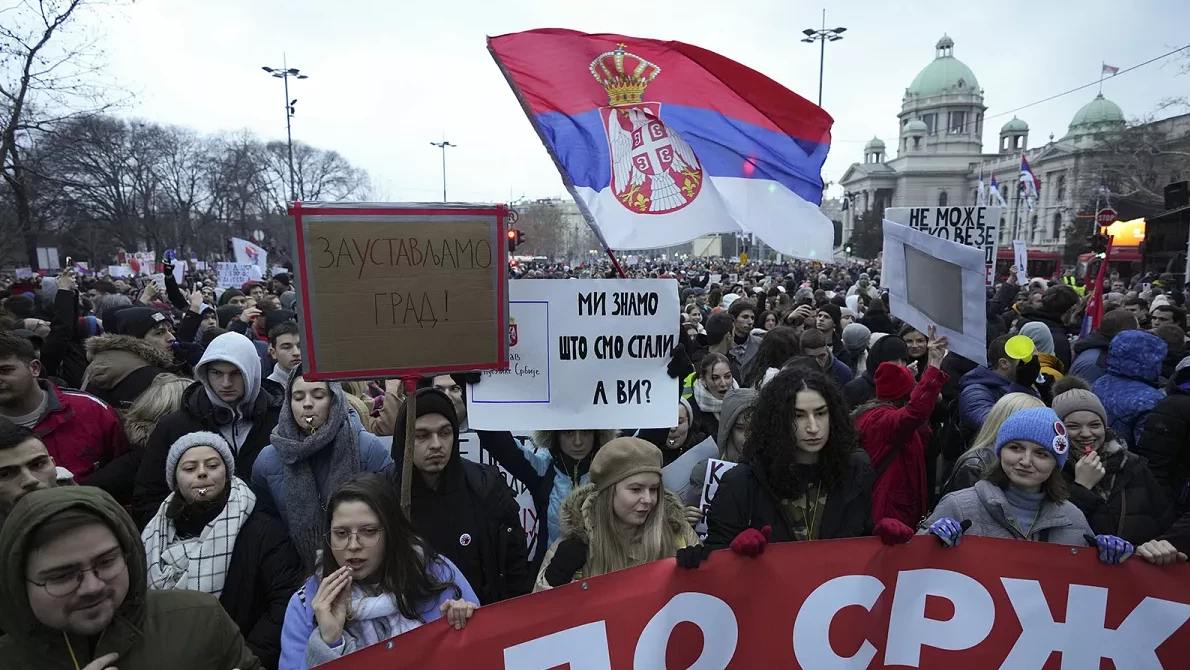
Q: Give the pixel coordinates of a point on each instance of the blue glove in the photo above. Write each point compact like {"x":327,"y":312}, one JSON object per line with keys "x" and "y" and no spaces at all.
{"x":1112,"y":550}
{"x":948,"y":530}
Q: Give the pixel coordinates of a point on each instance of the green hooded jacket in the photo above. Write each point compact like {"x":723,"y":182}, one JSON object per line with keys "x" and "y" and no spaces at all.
{"x":178,"y":630}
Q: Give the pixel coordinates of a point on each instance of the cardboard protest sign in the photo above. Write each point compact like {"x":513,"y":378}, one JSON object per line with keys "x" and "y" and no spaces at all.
{"x":1020,"y":254}
{"x":232,"y":275}
{"x":584,"y":354}
{"x":710,"y":486}
{"x":973,"y":226}
{"x":391,"y":289}
{"x":921,"y":272}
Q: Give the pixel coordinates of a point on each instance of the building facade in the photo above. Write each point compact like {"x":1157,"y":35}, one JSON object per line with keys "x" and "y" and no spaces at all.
{"x":939,"y":157}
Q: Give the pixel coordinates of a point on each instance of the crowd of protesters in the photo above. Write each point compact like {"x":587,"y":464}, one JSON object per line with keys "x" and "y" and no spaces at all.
{"x":175,"y":493}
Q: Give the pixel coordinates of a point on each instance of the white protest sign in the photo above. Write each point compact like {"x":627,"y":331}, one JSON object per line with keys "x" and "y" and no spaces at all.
{"x":160,"y":279}
{"x":973,"y":226}
{"x":118,"y":271}
{"x":714,"y":278}
{"x":233,"y":275}
{"x":710,"y":486}
{"x":921,"y":272}
{"x":1020,"y":254}
{"x":200,"y":265}
{"x":24,"y":273}
{"x":146,"y":261}
{"x":180,"y":267}
{"x":583,"y":354}
{"x":278,"y":270}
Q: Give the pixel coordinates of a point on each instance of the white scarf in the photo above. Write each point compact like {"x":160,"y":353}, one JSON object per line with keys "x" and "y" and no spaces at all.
{"x":199,"y":563}
{"x":707,"y":402}
{"x":375,"y":618}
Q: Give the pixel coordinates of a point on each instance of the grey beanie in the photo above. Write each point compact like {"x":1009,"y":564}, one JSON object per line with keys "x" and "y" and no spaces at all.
{"x":197,"y":439}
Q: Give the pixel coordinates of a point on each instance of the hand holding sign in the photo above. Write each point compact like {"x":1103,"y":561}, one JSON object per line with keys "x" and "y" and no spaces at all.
{"x":936,"y":349}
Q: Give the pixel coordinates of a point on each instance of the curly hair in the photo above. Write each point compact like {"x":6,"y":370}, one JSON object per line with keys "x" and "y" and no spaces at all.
{"x":778,"y":346}
{"x":771,"y":443}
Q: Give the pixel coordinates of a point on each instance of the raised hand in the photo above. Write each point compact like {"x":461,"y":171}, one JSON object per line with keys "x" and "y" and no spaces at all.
{"x":330,"y":604}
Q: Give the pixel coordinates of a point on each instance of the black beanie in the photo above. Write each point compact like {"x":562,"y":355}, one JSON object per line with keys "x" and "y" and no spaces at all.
{"x":20,"y":306}
{"x":228,"y":294}
{"x":834,"y":311}
{"x":718,"y":326}
{"x":138,"y":321}
{"x":887,"y":349}
{"x":429,"y":401}
{"x":225,"y":313}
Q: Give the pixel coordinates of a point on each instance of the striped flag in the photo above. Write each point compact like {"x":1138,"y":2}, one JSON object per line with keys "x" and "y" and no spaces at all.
{"x":1109,"y":70}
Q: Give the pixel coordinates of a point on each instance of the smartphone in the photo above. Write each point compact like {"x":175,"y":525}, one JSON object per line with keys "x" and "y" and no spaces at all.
{"x":69,"y":262}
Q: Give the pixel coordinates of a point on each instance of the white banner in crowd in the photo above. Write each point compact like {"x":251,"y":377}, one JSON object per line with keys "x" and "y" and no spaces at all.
{"x":24,"y":273}
{"x":246,"y":252}
{"x":278,"y":270}
{"x":1020,"y":254}
{"x":973,"y":226}
{"x":584,"y":354}
{"x":233,"y":275}
{"x":118,"y":271}
{"x":921,"y":272}
{"x":710,"y":486}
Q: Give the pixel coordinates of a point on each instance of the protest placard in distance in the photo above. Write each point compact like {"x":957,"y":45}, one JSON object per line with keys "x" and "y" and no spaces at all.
{"x":971,"y":225}
{"x":397,"y":289}
{"x":584,"y":354}
{"x":232,"y":275}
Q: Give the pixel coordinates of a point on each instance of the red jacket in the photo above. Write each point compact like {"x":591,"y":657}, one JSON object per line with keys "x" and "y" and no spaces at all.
{"x":900,"y":492}
{"x":80,"y":431}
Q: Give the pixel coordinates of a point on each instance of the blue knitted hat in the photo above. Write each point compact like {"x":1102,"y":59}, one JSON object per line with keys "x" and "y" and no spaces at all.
{"x":1039,"y":425}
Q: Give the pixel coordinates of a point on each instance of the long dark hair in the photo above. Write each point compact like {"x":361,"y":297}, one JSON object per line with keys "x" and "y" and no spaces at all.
{"x":771,"y":443}
{"x":778,"y":346}
{"x":407,"y":557}
{"x":708,"y":362}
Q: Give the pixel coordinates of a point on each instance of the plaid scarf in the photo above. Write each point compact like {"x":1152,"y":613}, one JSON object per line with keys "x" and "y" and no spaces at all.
{"x":199,"y":563}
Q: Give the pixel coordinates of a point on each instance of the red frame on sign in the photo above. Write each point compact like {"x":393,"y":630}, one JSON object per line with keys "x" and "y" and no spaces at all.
{"x":310,"y":363}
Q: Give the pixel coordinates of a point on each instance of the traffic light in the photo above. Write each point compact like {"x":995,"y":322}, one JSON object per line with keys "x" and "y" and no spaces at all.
{"x":512,"y":240}
{"x":1098,"y":242}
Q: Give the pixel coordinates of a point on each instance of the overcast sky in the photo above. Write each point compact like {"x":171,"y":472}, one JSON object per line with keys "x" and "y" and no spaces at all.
{"x":388,"y":77}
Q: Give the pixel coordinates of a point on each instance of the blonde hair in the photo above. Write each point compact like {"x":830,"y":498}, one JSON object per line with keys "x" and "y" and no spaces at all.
{"x":1004,"y":408}
{"x":163,"y":396}
{"x":612,"y":549}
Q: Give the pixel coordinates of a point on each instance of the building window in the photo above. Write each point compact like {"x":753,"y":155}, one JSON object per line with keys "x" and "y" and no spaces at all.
{"x":916,"y":142}
{"x":930,"y":120}
{"x":1061,"y":191}
{"x":1056,"y":228}
{"x":1033,"y":231}
{"x":957,"y":122}
{"x":979,"y":125}
{"x":1004,"y":192}
{"x":1018,"y":142}
{"x":1004,"y":143}
{"x":942,"y":198}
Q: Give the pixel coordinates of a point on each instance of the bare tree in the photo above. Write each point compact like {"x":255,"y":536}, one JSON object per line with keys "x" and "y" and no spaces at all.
{"x":46,"y":75}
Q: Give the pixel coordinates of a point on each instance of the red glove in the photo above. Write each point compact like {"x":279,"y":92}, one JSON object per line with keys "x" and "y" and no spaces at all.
{"x":891,"y":531}
{"x":751,"y":542}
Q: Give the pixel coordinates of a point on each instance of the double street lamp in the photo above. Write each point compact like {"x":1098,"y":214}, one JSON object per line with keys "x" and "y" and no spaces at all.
{"x":284,"y":73}
{"x":822,"y":35}
{"x":443,"y":145}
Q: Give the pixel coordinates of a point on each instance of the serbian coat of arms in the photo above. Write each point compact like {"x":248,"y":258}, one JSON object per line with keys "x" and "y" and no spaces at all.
{"x":654,"y":170}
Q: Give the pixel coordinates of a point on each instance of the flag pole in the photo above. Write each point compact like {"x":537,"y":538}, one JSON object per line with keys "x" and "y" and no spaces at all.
{"x":1101,"y":64}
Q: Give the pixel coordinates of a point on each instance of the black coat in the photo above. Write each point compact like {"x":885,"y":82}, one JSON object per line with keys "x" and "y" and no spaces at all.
{"x":198,"y":413}
{"x":263,"y":573}
{"x":702,"y":421}
{"x":502,"y":546}
{"x":1165,"y":442}
{"x":744,"y":500}
{"x":859,"y":390}
{"x":1136,"y":509}
{"x":879,"y":322}
{"x":1058,"y":331}
{"x":63,"y":354}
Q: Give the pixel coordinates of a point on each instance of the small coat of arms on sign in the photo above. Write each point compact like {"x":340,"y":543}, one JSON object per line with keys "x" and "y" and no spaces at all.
{"x":654,"y":170}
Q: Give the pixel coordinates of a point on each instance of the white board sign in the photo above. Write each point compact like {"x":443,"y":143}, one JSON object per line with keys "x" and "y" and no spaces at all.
{"x":180,"y":267}
{"x":921,"y":272}
{"x":278,"y":270}
{"x":24,"y":273}
{"x":233,"y":275}
{"x":973,"y":226}
{"x":1020,"y":254}
{"x":118,"y":271}
{"x":160,"y":279}
{"x":710,"y":486}
{"x":584,"y":354}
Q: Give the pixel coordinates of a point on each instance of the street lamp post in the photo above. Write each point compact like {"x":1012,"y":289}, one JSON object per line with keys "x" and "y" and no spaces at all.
{"x":822,"y":35}
{"x":442,"y":145}
{"x":284,"y":73}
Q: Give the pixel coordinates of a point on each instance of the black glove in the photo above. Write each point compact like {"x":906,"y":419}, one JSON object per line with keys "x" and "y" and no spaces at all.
{"x":569,"y":558}
{"x":679,"y":364}
{"x":690,"y":557}
{"x":467,"y":377}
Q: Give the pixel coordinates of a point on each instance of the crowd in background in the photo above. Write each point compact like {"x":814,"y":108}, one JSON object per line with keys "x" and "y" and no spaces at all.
{"x":172,"y":486}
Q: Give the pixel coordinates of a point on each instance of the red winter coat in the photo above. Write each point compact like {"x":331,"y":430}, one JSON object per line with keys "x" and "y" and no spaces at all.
{"x":80,"y":431}
{"x":900,"y":492}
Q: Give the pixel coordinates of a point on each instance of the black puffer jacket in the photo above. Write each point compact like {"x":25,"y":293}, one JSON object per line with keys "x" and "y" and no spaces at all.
{"x":1165,"y":441}
{"x":1058,"y":330}
{"x":1134,"y":508}
{"x":744,"y":500}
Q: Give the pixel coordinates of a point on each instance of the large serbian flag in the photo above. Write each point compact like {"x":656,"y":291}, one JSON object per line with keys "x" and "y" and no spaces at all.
{"x":661,"y":142}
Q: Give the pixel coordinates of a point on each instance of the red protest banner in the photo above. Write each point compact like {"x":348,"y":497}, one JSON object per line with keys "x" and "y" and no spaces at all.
{"x":830,"y":604}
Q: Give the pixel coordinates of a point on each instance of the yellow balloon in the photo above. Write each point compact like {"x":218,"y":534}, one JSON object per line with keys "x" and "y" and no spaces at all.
{"x":1020,"y":347}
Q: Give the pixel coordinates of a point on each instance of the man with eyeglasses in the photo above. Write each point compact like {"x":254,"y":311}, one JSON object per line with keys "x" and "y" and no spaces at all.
{"x":74,"y":587}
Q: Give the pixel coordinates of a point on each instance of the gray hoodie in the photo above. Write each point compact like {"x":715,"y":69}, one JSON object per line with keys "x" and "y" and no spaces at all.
{"x":734,"y":404}
{"x":238,"y":350}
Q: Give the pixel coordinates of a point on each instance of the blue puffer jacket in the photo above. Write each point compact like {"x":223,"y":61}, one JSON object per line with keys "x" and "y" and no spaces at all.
{"x":1128,"y":390}
{"x":979,"y":391}
{"x":268,"y":474}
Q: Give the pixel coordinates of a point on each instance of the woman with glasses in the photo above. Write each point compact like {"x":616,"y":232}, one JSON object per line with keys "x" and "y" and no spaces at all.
{"x":375,"y":580}
{"x":210,"y":535}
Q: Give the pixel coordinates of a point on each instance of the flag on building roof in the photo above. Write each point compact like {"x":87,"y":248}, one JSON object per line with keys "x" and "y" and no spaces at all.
{"x":663,"y":142}
{"x":1109,"y":70}
{"x":981,"y":195}
{"x":1030,"y":184}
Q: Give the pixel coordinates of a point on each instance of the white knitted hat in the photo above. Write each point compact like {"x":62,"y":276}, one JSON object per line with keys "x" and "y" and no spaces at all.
{"x":198,"y":439}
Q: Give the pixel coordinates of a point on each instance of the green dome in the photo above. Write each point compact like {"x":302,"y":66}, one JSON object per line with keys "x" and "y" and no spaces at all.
{"x":1014,"y":125}
{"x":916,"y":126}
{"x":1099,"y":114}
{"x":874,"y":143}
{"x":946,"y":74}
